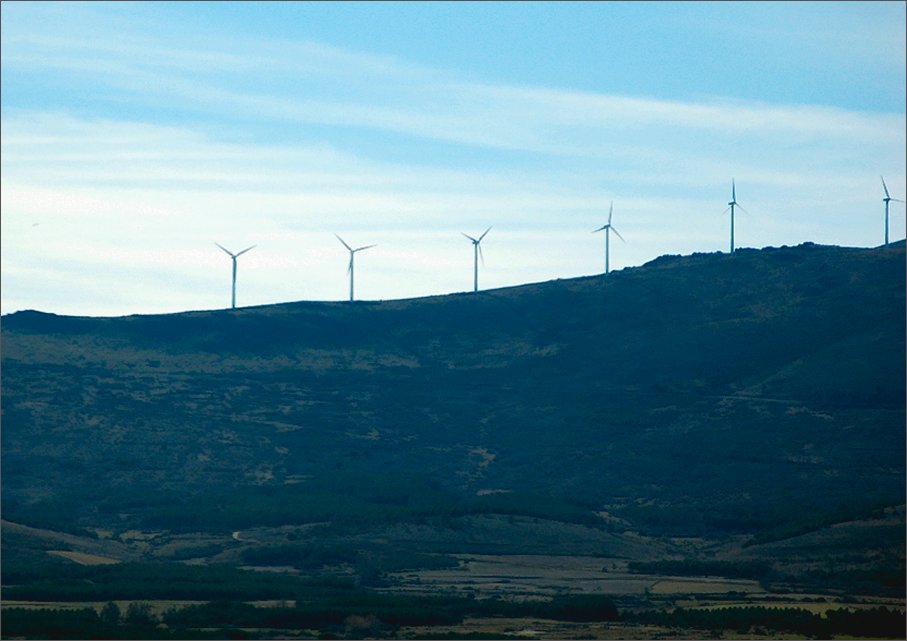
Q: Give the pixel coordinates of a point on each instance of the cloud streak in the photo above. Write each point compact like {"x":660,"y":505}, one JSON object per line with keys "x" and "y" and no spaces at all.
{"x":384,"y":93}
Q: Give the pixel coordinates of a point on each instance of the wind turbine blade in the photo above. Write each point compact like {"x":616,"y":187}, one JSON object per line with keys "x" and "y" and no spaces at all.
{"x":344,"y":242}
{"x":349,"y":268}
{"x":470,"y":237}
{"x":245,"y":250}
{"x":740,"y":207}
{"x":359,"y":249}
{"x":602,"y":228}
{"x":225,"y":249}
{"x":897,"y":200}
{"x":618,"y":234}
{"x":885,"y":187}
{"x":483,"y":235}
{"x":733,"y":191}
{"x":481,"y":255}
{"x":610,"y":212}
{"x":727,"y":209}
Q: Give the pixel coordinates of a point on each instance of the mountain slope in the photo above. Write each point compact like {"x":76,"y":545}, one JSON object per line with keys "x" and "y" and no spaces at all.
{"x":705,"y":394}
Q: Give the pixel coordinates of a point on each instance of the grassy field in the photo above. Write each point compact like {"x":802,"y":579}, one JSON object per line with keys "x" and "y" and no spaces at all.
{"x":529,"y":628}
{"x":705,"y":585}
{"x":527,"y":576}
{"x":542,"y":576}
{"x":528,"y":579}
{"x":82,"y":558}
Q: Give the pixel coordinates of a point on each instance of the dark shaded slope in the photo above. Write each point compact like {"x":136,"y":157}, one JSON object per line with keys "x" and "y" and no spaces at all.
{"x":694,"y":394}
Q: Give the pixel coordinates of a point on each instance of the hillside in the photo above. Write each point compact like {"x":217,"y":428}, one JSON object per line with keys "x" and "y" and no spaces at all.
{"x":759,"y":396}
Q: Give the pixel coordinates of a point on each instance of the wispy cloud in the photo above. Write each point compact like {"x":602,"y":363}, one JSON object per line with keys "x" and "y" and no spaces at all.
{"x":314,"y":83}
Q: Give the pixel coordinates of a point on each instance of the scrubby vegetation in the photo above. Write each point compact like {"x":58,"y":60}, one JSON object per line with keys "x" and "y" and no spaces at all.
{"x":873,"y":623}
{"x":751,"y":405}
{"x":85,"y":623}
{"x":137,"y":581}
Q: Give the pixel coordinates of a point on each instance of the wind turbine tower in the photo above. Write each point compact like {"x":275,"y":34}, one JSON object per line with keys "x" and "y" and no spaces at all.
{"x":350,"y":269}
{"x":887,"y":199}
{"x":732,"y":205}
{"x":477,"y":251}
{"x":608,"y":229}
{"x":234,"y":257}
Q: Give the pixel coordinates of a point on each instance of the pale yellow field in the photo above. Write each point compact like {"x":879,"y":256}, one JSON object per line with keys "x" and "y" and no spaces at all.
{"x":527,"y":576}
{"x":544,"y":576}
{"x":530,"y":628}
{"x":83,"y":558}
{"x":703,"y":585}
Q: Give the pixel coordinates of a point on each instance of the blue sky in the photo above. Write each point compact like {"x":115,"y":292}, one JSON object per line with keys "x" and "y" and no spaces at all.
{"x":136,"y":135}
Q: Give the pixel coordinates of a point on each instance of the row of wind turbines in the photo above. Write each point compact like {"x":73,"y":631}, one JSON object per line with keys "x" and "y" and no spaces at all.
{"x":477,"y":242}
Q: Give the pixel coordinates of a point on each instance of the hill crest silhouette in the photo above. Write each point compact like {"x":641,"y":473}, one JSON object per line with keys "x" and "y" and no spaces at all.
{"x":705,"y":395}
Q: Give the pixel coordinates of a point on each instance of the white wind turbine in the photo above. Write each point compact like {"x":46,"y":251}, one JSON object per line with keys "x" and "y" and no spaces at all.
{"x":732,"y":205}
{"x":887,"y":199}
{"x":234,"y":257}
{"x":608,"y":229}
{"x":477,"y":251}
{"x":352,"y":255}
